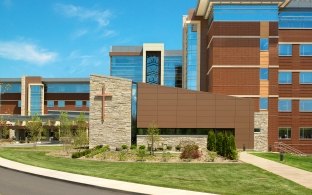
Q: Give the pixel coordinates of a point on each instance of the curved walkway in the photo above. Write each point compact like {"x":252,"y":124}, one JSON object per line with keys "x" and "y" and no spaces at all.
{"x":94,"y":181}
{"x":299,"y":176}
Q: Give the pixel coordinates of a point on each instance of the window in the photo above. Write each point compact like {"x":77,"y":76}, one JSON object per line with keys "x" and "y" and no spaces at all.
{"x":78,"y":103}
{"x":285,"y":50}
{"x":35,"y":99}
{"x":306,"y":133}
{"x":19,"y":103}
{"x":305,"y":77}
{"x":306,"y":50}
{"x":88,"y":104}
{"x":50,"y":103}
{"x":264,"y":74}
{"x":305,"y":105}
{"x":68,"y":87}
{"x":264,"y":44}
{"x":257,"y":130}
{"x":284,"y":77}
{"x":245,"y":13}
{"x":295,"y":18}
{"x":284,"y":105}
{"x":284,"y":133}
{"x":263,"y":103}
{"x":61,"y":103}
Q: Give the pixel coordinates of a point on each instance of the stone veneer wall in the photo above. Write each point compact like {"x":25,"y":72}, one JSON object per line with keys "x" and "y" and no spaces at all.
{"x":116,"y":128}
{"x":261,"y":121}
{"x":174,"y":140}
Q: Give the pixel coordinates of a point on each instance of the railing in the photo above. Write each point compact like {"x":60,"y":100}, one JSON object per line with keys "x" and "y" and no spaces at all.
{"x":282,"y":147}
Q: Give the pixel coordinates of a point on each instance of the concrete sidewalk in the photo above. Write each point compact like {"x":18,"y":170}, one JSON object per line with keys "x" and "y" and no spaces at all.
{"x":299,"y":176}
{"x":94,"y":181}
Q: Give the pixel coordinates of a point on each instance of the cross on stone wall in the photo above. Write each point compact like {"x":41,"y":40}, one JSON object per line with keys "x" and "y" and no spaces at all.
{"x":103,"y":96}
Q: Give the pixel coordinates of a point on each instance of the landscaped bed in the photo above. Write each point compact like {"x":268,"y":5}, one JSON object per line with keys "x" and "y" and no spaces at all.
{"x":301,"y":162}
{"x":221,"y":178}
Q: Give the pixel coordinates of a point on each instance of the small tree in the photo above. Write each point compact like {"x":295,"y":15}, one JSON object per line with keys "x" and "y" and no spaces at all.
{"x":4,"y":130}
{"x":65,"y":131}
{"x":153,"y":135}
{"x":34,"y":128}
{"x":232,"y":149}
{"x":81,"y":137}
{"x":211,"y":141}
{"x":219,"y":141}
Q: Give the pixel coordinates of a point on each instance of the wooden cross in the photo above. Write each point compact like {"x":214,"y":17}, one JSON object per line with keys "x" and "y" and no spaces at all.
{"x":103,"y":96}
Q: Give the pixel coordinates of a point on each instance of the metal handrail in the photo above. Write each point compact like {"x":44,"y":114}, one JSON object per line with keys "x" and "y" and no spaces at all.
{"x":288,"y":149}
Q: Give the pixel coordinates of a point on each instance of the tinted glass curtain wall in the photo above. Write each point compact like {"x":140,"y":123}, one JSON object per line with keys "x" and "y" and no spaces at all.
{"x":295,"y":18}
{"x":247,"y":13}
{"x":35,"y":99}
{"x":191,"y":58}
{"x":68,"y":87}
{"x":173,"y":71}
{"x":129,"y":67}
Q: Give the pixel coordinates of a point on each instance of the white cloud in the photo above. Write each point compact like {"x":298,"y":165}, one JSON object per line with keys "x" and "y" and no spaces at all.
{"x":99,"y":16}
{"x":27,"y":52}
{"x":109,"y":33}
{"x":79,"y":33}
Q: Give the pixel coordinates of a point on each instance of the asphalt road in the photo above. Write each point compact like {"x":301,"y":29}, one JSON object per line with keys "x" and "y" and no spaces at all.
{"x":17,"y":183}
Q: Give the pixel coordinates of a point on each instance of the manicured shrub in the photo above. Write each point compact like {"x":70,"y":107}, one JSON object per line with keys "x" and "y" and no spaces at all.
{"x":233,"y":155}
{"x":133,"y":147}
{"x":211,"y":141}
{"x":124,"y":147}
{"x":169,"y":147}
{"x":94,"y":151}
{"x":81,"y":154}
{"x":212,"y":156}
{"x":141,"y":153}
{"x":142,"y":147}
{"x":219,"y":143}
{"x":178,"y":148}
{"x":190,"y":152}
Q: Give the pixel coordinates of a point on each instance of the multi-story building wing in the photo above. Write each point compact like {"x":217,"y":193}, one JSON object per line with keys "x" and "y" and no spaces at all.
{"x":260,"y":50}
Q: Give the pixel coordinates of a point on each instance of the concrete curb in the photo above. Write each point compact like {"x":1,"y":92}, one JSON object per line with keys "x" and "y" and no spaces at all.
{"x":94,"y":181}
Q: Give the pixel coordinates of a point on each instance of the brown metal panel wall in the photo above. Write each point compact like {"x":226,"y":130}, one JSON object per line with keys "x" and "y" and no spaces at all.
{"x":292,"y":35}
{"x":180,"y":108}
{"x":11,"y":106}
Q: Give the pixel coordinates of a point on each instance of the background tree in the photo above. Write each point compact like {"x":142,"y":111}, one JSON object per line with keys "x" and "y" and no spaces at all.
{"x":65,"y":132}
{"x":211,"y":142}
{"x":153,"y":136}
{"x":34,"y":128}
{"x":81,"y":135}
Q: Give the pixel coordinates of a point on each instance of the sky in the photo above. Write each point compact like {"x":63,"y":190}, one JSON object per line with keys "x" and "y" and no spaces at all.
{"x":61,"y":38}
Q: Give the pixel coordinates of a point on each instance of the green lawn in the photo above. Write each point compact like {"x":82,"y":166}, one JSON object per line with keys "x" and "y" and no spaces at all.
{"x":301,"y":162}
{"x":234,"y":178}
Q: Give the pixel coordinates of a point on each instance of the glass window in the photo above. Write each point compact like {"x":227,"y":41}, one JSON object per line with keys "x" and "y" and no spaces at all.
{"x":68,"y":87}
{"x":285,"y":50}
{"x":78,"y":103}
{"x":257,"y":130}
{"x":306,"y":133}
{"x":264,"y":74}
{"x":173,"y":71}
{"x":129,"y":67}
{"x":88,"y":103}
{"x":10,"y":88}
{"x":35,"y":99}
{"x":284,"y":77}
{"x":19,"y":103}
{"x":61,"y":103}
{"x":284,"y":105}
{"x":305,"y":105}
{"x":264,"y":44}
{"x":245,"y":13}
{"x":284,"y":133}
{"x":191,"y":57}
{"x":264,"y":103}
{"x":306,"y":50}
{"x":50,"y":103}
{"x":305,"y":77}
{"x":295,"y":18}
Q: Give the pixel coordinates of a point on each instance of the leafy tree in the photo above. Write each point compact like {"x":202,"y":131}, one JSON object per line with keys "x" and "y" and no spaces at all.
{"x":153,"y":136}
{"x":211,"y":141}
{"x":65,"y":132}
{"x":34,"y":128}
{"x":81,"y":135}
{"x":4,"y":130}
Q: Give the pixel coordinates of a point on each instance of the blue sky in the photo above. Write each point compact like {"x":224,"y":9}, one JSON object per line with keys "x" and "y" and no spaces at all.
{"x":72,"y":38}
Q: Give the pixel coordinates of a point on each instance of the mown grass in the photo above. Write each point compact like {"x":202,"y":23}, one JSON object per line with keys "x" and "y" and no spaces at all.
{"x":301,"y":162}
{"x":236,"y":178}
